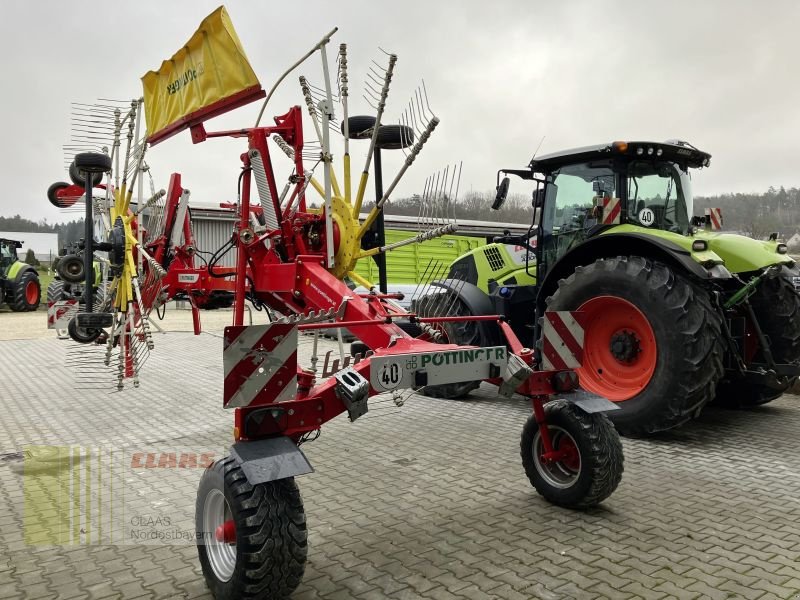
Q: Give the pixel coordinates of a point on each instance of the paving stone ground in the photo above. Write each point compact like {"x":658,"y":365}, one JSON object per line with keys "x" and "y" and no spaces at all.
{"x":426,"y":501}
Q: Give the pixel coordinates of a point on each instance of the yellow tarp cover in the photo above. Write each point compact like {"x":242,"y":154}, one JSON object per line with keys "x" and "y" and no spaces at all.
{"x":210,"y":67}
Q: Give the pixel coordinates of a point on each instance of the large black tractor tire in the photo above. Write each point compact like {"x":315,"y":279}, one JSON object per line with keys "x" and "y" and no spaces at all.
{"x":591,"y":466}
{"x":777,"y":308}
{"x":463,"y":333}
{"x":267,"y":558}
{"x":659,"y":379}
{"x":27,"y":293}
{"x":55,"y":291}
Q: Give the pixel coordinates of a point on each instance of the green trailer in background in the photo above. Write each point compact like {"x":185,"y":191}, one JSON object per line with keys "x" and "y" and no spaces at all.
{"x":420,"y":263}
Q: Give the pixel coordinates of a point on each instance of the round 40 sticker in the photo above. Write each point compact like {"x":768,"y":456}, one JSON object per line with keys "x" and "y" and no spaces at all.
{"x":390,"y":375}
{"x":647,"y":217}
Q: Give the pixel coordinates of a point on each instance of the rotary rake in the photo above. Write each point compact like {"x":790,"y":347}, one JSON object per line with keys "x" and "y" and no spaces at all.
{"x":150,"y":245}
{"x":297,"y":259}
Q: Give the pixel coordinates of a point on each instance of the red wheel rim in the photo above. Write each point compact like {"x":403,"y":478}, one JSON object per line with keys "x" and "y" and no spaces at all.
{"x":619,"y":349}
{"x":31,"y":292}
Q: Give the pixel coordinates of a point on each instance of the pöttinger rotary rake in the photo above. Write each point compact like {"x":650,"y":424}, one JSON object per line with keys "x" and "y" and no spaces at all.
{"x":252,"y":537}
{"x":152,"y":255}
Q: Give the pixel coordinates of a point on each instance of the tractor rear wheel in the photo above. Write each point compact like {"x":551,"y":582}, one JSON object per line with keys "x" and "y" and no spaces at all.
{"x":652,"y":341}
{"x":27,"y":292}
{"x":463,"y":333}
{"x":55,"y":291}
{"x":251,"y":539}
{"x":590,"y":464}
{"x":777,"y":308}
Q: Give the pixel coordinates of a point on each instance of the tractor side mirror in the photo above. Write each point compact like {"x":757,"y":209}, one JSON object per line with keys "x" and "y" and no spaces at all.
{"x":502,"y":193}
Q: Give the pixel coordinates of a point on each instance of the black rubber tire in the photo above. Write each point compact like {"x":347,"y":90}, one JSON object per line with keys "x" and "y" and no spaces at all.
{"x":93,"y":162}
{"x":53,"y":190}
{"x":687,"y":329}
{"x":77,"y":177}
{"x":81,"y":335}
{"x":463,"y":333}
{"x":19,"y":300}
{"x":777,"y":308}
{"x":600,"y":449}
{"x":55,"y":291}
{"x":70,"y":268}
{"x":271,"y":535}
{"x":394,"y":137}
{"x":359,"y":127}
{"x":358,"y":348}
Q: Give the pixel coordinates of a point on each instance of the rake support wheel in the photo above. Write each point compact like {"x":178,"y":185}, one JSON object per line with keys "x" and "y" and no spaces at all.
{"x":591,"y":462}
{"x":652,"y":342}
{"x":251,"y":539}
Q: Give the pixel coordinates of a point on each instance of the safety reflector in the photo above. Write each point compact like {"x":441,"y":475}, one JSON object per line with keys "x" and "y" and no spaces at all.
{"x":260,"y":363}
{"x":611,"y":211}
{"x":60,"y":313}
{"x":714,"y":218}
{"x":562,"y":341}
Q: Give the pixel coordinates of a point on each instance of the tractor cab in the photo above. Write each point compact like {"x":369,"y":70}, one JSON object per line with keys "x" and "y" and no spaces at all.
{"x":8,"y":254}
{"x":584,"y":192}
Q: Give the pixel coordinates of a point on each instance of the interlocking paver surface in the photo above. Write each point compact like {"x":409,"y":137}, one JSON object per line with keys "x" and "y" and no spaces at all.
{"x":424,"y":501}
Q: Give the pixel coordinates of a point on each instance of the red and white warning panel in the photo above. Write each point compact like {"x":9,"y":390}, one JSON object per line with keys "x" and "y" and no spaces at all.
{"x":562,"y":340}
{"x":714,"y":218}
{"x":260,"y":363}
{"x":60,"y":313}
{"x":611,"y":211}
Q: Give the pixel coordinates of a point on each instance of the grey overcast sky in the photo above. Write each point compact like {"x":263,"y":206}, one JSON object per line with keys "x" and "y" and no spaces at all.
{"x":501,"y":75}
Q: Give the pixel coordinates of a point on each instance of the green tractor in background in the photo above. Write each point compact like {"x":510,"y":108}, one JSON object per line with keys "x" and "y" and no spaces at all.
{"x":675,"y":313}
{"x":19,"y":281}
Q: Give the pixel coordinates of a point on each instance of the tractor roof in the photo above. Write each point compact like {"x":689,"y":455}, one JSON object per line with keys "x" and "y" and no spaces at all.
{"x":15,"y":243}
{"x":675,"y":150}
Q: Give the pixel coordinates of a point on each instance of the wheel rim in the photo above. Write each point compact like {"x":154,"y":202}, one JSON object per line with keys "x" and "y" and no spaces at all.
{"x":221,"y":554}
{"x":619,"y":350}
{"x":563,"y":472}
{"x":31,"y":292}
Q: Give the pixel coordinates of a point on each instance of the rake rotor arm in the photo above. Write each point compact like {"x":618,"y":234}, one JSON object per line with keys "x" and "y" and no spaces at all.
{"x":373,"y":214}
{"x":362,"y":184}
{"x":317,"y":46}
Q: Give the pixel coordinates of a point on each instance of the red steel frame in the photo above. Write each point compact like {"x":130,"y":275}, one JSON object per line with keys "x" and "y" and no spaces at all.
{"x":287,"y":270}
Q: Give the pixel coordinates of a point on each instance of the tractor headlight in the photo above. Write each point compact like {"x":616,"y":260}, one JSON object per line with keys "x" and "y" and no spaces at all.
{"x":781,"y":249}
{"x":699,"y":246}
{"x":719,"y":272}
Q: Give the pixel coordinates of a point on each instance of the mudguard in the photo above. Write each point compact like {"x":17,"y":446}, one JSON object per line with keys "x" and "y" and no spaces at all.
{"x":478,"y":303}
{"x":621,"y":244}
{"x":588,"y":402}
{"x":270,"y":459}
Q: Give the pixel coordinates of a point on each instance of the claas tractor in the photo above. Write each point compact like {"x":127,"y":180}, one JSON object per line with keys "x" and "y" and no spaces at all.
{"x":676,"y":313}
{"x":19,"y":281}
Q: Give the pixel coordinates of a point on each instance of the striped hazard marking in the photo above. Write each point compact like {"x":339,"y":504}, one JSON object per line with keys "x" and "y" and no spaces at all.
{"x":714,"y":218}
{"x":562,"y":341}
{"x":260,"y":363}
{"x":611,"y":211}
{"x":60,"y":313}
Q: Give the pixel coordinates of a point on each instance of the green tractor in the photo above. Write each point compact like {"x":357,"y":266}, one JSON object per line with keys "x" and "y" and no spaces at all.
{"x":675,"y":314}
{"x":19,"y":282}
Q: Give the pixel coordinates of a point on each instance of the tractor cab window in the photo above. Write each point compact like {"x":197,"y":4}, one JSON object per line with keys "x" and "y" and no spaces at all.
{"x":659,"y":196}
{"x":579,"y":191}
{"x":6,"y":255}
